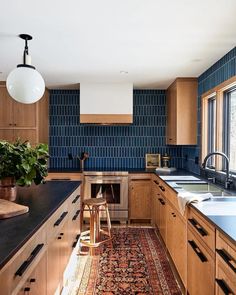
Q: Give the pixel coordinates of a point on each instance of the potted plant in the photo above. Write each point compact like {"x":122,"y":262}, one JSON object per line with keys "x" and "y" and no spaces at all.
{"x":21,"y":164}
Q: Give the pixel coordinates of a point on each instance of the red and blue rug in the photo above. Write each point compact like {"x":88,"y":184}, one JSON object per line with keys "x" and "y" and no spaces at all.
{"x":135,"y":263}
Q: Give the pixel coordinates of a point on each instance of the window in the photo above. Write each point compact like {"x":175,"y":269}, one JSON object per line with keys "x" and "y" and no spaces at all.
{"x":229,"y":127}
{"x":219,"y":124}
{"x":211,"y":129}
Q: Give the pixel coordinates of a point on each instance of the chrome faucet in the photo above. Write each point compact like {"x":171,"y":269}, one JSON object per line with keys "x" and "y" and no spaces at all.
{"x":228,"y":180}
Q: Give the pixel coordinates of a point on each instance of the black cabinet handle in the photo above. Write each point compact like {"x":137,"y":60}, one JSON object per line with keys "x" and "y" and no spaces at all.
{"x":26,"y":263}
{"x":224,"y":287}
{"x":26,"y":289}
{"x":227,"y":258}
{"x":161,"y":201}
{"x":173,"y":214}
{"x":156,"y":182}
{"x":162,"y":188}
{"x":61,"y":179}
{"x":76,"y":199}
{"x":76,"y":240}
{"x":76,"y":215}
{"x":59,"y":220}
{"x":198,"y":227}
{"x":33,"y":280}
{"x":198,"y":251}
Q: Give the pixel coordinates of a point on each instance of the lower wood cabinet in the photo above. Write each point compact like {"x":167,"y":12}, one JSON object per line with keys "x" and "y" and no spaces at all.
{"x":36,"y":284}
{"x":38,"y":267}
{"x":176,"y":240}
{"x":225,"y":265}
{"x":140,"y":198}
{"x":200,"y":267}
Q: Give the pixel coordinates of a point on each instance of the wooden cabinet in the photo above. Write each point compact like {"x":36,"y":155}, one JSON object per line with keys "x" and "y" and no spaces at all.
{"x":38,"y":267}
{"x":182,"y":112}
{"x":36,"y":284}
{"x":25,"y":121}
{"x":176,"y":240}
{"x":140,"y":197}
{"x":201,"y":254}
{"x":225,"y":265}
{"x":200,"y":266}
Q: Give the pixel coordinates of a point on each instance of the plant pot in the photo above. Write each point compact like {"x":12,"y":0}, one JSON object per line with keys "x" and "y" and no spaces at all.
{"x":8,"y":188}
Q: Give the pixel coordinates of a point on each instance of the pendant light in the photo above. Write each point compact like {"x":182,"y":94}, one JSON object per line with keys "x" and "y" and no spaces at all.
{"x":24,"y":83}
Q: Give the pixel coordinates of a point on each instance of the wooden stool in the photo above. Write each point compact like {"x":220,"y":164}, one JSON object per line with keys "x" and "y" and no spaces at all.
{"x":92,"y":237}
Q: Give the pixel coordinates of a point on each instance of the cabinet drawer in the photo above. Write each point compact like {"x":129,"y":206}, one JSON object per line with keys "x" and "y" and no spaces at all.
{"x":74,"y":201}
{"x":57,"y":220}
{"x":202,"y":228}
{"x":17,"y":270}
{"x":225,"y":281}
{"x":200,"y":267}
{"x":226,"y":253}
{"x":64,"y":176}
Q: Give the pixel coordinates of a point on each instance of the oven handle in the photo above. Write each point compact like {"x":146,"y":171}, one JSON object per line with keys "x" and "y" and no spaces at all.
{"x":106,"y":180}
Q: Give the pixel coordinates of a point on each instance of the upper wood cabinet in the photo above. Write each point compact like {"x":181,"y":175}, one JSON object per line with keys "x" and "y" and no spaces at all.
{"x":24,"y":121}
{"x":182,"y":112}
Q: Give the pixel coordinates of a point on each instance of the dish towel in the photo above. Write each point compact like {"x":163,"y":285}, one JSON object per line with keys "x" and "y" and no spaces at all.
{"x":185,"y":198}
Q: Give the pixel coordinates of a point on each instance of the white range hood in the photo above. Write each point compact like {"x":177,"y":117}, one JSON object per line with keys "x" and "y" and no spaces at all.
{"x":103,"y":103}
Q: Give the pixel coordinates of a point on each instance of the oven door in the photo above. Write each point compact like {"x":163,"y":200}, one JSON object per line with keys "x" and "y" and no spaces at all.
{"x":112,"y":188}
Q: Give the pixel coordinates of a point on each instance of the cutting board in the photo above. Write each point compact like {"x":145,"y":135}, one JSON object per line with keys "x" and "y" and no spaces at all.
{"x":10,"y":209}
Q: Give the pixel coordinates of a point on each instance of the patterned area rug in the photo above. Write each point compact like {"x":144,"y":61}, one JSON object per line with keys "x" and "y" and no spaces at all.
{"x":135,"y":263}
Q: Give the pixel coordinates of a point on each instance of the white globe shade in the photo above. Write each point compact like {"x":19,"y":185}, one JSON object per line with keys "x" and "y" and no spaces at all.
{"x":25,"y":85}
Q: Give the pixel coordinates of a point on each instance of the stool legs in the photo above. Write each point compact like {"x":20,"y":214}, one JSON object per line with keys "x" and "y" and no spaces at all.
{"x":94,"y":238}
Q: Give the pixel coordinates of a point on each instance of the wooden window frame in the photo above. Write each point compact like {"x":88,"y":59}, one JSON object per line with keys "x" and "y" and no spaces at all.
{"x":218,"y":93}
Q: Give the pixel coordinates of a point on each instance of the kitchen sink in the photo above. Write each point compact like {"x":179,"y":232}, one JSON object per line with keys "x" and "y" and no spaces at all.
{"x":199,"y":187}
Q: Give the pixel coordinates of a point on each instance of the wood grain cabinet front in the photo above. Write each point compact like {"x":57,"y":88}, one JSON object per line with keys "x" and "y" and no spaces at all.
{"x":225,"y":265}
{"x":200,"y":267}
{"x":140,"y":198}
{"x":14,"y":274}
{"x":182,"y":112}
{"x":24,"y":121}
{"x":176,"y":241}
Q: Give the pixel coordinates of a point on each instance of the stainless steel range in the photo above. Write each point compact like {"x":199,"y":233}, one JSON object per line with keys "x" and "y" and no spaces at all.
{"x":113,"y":186}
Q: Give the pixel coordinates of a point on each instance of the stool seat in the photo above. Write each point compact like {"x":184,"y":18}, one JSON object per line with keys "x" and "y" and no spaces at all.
{"x":95,"y":202}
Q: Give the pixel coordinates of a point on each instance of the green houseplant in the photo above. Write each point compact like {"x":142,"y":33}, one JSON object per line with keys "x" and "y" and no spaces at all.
{"x":21,"y":164}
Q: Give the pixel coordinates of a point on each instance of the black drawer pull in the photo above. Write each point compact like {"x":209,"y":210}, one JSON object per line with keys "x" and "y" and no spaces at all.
{"x":59,"y":220}
{"x":76,"y":240}
{"x":76,"y":215}
{"x":26,"y":263}
{"x":60,"y":179}
{"x":198,"y":227}
{"x":198,"y":251}
{"x":161,"y":201}
{"x":227,"y":258}
{"x":162,"y":188}
{"x":156,"y":182}
{"x":26,"y":289}
{"x":173,"y":214}
{"x":76,"y":199}
{"x":224,"y":287}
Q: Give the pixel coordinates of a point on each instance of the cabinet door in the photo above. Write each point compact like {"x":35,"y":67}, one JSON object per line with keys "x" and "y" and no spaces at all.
{"x":64,"y":248}
{"x":24,"y":114}
{"x":25,"y":134}
{"x":7,"y":134}
{"x":53,"y":266}
{"x":200,"y":267}
{"x":176,"y":241}
{"x":36,"y":284}
{"x":140,"y":199}
{"x":171,"y":115}
{"x":6,"y":108}
{"x":162,"y":217}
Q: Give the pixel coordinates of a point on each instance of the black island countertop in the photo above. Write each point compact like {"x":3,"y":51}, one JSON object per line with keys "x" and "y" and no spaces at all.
{"x":42,"y":200}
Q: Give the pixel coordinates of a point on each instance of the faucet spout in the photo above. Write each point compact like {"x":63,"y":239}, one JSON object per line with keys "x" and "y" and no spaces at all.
{"x":204,"y":165}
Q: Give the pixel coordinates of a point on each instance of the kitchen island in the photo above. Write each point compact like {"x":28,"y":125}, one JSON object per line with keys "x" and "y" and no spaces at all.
{"x":32,"y":238}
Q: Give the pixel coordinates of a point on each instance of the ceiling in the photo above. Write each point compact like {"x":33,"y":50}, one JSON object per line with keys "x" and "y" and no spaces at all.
{"x":93,"y":41}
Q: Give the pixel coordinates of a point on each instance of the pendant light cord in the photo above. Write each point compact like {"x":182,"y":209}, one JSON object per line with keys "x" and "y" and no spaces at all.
{"x":26,"y":52}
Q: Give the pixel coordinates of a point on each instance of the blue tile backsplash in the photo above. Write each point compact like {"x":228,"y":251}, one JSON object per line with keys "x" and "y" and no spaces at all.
{"x":221,"y":71}
{"x":109,"y":147}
